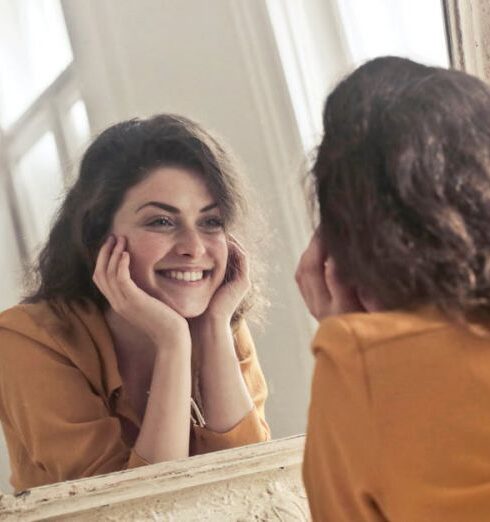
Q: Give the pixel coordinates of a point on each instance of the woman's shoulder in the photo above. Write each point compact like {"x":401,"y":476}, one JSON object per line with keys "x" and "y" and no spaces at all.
{"x":361,"y":331}
{"x":50,"y":323}
{"x":29,"y":320}
{"x":36,"y":336}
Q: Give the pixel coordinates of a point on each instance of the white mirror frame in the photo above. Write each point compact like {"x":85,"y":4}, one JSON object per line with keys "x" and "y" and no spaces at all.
{"x":468,"y":28}
{"x":256,"y":482}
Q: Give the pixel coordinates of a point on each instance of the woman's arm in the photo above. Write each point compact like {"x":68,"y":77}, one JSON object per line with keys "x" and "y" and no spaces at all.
{"x":164,"y":433}
{"x":225,"y":397}
{"x":253,"y":427}
{"x":341,"y":466}
{"x":231,"y":383}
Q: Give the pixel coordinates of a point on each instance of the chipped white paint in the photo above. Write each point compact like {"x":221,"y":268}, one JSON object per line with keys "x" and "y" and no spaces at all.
{"x":468,"y":23}
{"x":261,"y":482}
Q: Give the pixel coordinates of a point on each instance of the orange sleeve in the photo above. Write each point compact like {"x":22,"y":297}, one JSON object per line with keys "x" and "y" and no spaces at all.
{"x":253,"y":427}
{"x":339,"y":463}
{"x":64,"y":425}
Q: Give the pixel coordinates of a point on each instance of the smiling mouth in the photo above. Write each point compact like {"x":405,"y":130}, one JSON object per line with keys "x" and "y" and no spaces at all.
{"x":188,"y":276}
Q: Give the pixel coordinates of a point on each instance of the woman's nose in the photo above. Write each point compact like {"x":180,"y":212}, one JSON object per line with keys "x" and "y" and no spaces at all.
{"x":189,"y":243}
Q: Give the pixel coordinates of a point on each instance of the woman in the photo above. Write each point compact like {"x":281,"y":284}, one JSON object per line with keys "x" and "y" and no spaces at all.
{"x":398,"y":273}
{"x":138,"y":314}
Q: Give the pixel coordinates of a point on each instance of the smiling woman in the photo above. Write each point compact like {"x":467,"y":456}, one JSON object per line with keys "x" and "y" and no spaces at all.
{"x":133,"y":349}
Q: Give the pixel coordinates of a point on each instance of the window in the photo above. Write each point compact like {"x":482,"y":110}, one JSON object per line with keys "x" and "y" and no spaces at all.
{"x":34,"y":50}
{"x":410,"y":28}
{"x":320,"y":41}
{"x":43,"y":120}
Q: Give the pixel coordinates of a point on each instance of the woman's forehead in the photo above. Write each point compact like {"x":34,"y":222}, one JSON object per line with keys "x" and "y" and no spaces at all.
{"x":175,"y":186}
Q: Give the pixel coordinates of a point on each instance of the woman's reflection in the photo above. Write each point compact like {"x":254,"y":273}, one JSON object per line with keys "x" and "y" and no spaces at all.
{"x":133,"y":348}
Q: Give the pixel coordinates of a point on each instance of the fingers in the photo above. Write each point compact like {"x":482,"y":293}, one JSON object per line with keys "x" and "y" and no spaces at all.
{"x":311,"y":280}
{"x":115,"y":258}
{"x":236,"y":282}
{"x":311,"y":266}
{"x":331,"y":277}
{"x":238,"y":263}
{"x":125,"y":285}
{"x":344,"y":298}
{"x":111,"y":273}
{"x":102,"y":262}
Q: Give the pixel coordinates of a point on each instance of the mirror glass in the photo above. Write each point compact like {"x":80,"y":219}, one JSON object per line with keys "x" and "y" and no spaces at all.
{"x":254,"y":72}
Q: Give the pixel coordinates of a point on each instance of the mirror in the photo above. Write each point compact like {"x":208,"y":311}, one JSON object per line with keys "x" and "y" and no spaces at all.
{"x":256,"y":72}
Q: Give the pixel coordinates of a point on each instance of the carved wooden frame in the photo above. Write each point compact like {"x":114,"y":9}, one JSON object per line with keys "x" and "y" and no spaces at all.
{"x":257,"y":482}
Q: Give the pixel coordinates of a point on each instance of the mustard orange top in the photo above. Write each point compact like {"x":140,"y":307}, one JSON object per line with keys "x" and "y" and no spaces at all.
{"x":62,"y":401}
{"x":399,"y":420}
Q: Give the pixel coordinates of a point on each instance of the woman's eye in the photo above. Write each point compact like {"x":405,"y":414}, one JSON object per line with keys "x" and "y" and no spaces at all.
{"x":214,"y":223}
{"x":161,"y":221}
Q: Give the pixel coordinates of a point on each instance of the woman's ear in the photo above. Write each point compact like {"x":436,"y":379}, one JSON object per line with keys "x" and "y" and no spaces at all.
{"x":344,"y":299}
{"x":368,"y":302}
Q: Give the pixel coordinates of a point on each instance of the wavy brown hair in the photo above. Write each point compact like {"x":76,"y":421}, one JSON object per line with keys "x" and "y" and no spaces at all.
{"x":402,"y":181}
{"x":119,"y":158}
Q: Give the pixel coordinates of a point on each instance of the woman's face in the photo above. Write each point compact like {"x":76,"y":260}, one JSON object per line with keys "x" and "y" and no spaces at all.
{"x":175,"y":237}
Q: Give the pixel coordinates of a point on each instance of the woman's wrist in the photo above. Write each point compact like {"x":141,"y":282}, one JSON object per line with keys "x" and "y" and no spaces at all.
{"x":215,"y":320}
{"x":172,"y":339}
{"x":173,"y":355}
{"x":208,"y":328}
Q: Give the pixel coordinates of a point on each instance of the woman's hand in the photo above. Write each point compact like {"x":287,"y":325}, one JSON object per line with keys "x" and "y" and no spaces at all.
{"x":235,"y":286}
{"x":149,"y":315}
{"x":225,"y":397}
{"x":320,"y":286}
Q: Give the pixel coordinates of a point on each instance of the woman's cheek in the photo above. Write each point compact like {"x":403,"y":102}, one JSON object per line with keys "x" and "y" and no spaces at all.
{"x":144,"y":255}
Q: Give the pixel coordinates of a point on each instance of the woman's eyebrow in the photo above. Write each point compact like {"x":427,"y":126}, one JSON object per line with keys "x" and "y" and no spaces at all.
{"x":171,"y":208}
{"x":159,"y":204}
{"x":209,"y":207}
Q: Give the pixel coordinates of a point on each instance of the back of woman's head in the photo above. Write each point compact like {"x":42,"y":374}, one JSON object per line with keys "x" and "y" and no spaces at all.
{"x":402,"y":178}
{"x":119,"y":158}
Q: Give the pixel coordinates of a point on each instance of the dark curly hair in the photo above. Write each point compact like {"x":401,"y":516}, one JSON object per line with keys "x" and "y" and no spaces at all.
{"x":119,"y":158}
{"x":402,"y":181}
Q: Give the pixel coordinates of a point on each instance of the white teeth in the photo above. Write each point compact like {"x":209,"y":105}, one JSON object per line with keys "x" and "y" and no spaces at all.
{"x":184,"y":276}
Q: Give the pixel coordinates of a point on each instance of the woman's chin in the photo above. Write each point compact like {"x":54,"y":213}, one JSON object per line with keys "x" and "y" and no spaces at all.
{"x":188,"y":310}
{"x":191,"y":314}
